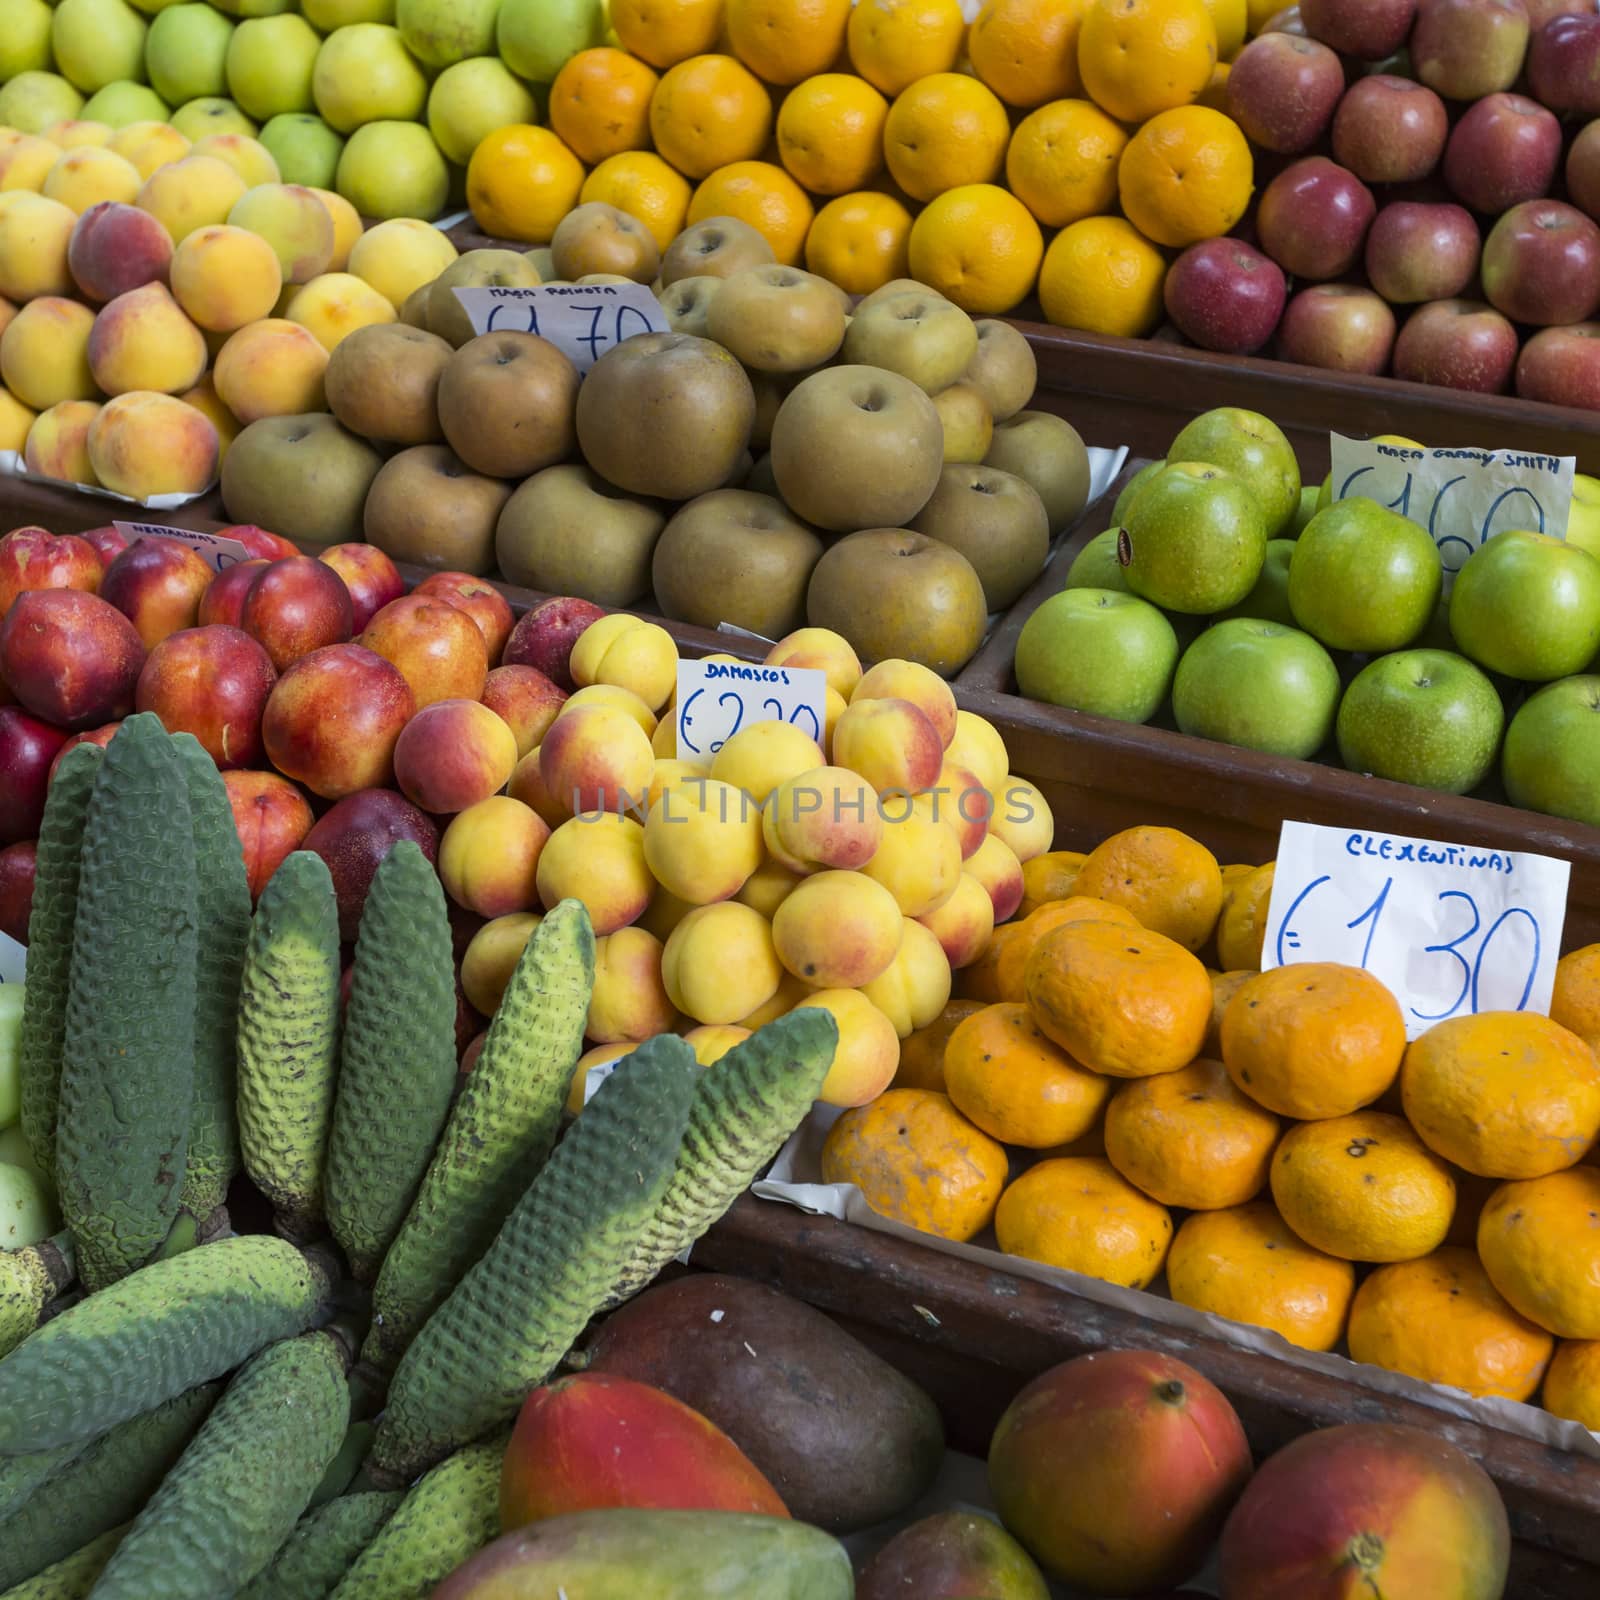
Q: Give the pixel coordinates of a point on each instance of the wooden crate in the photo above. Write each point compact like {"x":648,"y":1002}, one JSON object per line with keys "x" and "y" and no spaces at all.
{"x":64,"y":509}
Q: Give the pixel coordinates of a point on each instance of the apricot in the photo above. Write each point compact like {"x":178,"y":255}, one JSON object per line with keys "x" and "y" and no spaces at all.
{"x":837,"y":930}
{"x":910,"y":680}
{"x":629,"y":1001}
{"x":719,"y":963}
{"x":768,"y":887}
{"x":891,"y":743}
{"x":964,"y":924}
{"x":225,"y":277}
{"x":149,"y":145}
{"x":824,"y":650}
{"x":143,"y":340}
{"x":919,"y":858}
{"x":346,"y":227}
{"x":702,"y":840}
{"x":978,"y":747}
{"x":400,"y":256}
{"x":248,"y":157}
{"x":868,"y":1053}
{"x":825,"y":817}
{"x":608,"y":694}
{"x":600,"y":861}
{"x":712,"y":1041}
{"x":527,"y":785}
{"x":1022,"y":819}
{"x":491,"y":957}
{"x":636,"y":655}
{"x":593,"y":1068}
{"x":915,"y":987}
{"x":996,"y":867}
{"x":595,"y":758}
{"x":333,"y":305}
{"x":204,"y":398}
{"x":489,"y":856}
{"x":760,"y":757}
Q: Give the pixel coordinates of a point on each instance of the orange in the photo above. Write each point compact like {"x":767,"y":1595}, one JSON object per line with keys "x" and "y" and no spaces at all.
{"x":1078,"y":1214}
{"x":1123,"y":1001}
{"x":1576,"y":1001}
{"x":1440,"y":1319}
{"x":892,"y":43}
{"x":642,"y":184}
{"x":521,"y":182}
{"x":1003,"y":1074}
{"x":830,"y":133}
{"x":600,"y":104}
{"x":860,"y":242}
{"x":1572,"y":1383}
{"x":1507,"y":1094}
{"x":1187,"y":175}
{"x":1364,"y":1187}
{"x":1048,"y":877}
{"x":1314,"y":1040}
{"x":1242,"y":927}
{"x":1224,"y":986}
{"x":1138,"y":57}
{"x":1027,"y":50}
{"x":1245,"y":1264}
{"x":707,"y":112}
{"x":784,"y":41}
{"x":918,"y":1161}
{"x":979,"y":246}
{"x":1539,"y":1241}
{"x":981,"y":980}
{"x":944,"y":132}
{"x":1062,"y":163}
{"x":1231,"y":19}
{"x":1013,"y":964}
{"x":1169,"y":881}
{"x":922,"y":1054}
{"x":665,"y":32}
{"x":762,"y":195}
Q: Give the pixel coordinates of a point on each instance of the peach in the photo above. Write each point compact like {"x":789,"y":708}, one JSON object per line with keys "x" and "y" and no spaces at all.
{"x":480,"y":600}
{"x":919,"y":859}
{"x":664,"y":913}
{"x":197,"y":191}
{"x":223,"y":600}
{"x":204,"y":398}
{"x":78,"y":133}
{"x":333,"y":718}
{"x":599,"y":1062}
{"x":600,"y":861}
{"x":978,"y":748}
{"x":703,"y":840}
{"x":489,"y":856}
{"x":711,"y":1041}
{"x":544,"y":636}
{"x":213,"y":683}
{"x":369,"y":575}
{"x":294,"y":606}
{"x":827,"y":817}
{"x":346,"y":227}
{"x":334,"y":304}
{"x":964,"y":805}
{"x":34,"y":235}
{"x":526,"y":701}
{"x":868,"y":1052}
{"x":910,"y":680}
{"x":635,"y":655}
{"x":527,"y":785}
{"x":760,"y":757}
{"x":145,"y":444}
{"x":15,"y":421}
{"x":596,"y":758}
{"x":1023,"y":819}
{"x":115,"y":248}
{"x":837,"y":930}
{"x":157,"y":584}
{"x":453,"y":754}
{"x":271,"y":368}
{"x":608,"y":694}
{"x":149,"y":145}
{"x":26,"y":163}
{"x":719,"y":963}
{"x":88,"y":177}
{"x":44,"y":353}
{"x":629,"y":1000}
{"x":891,"y":743}
{"x":964,"y":924}
{"x":142,"y":340}
{"x":492,"y":955}
{"x":399,"y":256}
{"x":823,"y":649}
{"x":438,"y":648}
{"x":768,"y":887}
{"x":915,"y":988}
{"x":70,"y":658}
{"x":58,"y":441}
{"x":225,"y":277}
{"x":248,"y":157}
{"x":996,"y":867}
{"x":31,"y":558}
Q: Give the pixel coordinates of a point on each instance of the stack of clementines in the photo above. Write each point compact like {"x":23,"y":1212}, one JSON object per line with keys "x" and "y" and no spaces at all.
{"x":1269,"y":1141}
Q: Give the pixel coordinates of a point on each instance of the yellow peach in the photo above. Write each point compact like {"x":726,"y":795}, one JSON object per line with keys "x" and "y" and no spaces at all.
{"x":8,"y":312}
{"x":58,"y":442}
{"x":270,"y":369}
{"x":837,"y":930}
{"x":996,"y":867}
{"x":964,"y":924}
{"x":667,"y":775}
{"x":758,"y":758}
{"x":16,"y":420}
{"x":1022,"y":818}
{"x":225,"y":277}
{"x":79,"y":133}
{"x":664,"y":741}
{"x":346,"y":228}
{"x":961,"y":800}
{"x":142,"y":340}
{"x":790,"y":992}
{"x":623,"y":650}
{"x":489,"y":856}
{"x":26,"y":163}
{"x":833,"y":707}
{"x":335,"y":304}
{"x":868,"y":1052}
{"x":248,"y":157}
{"x":197,"y":191}
{"x":603,"y":1055}
{"x":910,"y":680}
{"x":600,"y":861}
{"x":144,"y":444}
{"x":703,"y":840}
{"x":719,"y":963}
{"x":919,"y":860}
{"x":44,"y":352}
{"x":712,"y":1041}
{"x":205,"y":399}
{"x":915,"y":988}
{"x":87,"y":176}
{"x":527,"y":785}
{"x":596,"y":759}
{"x":610,"y":694}
{"x":491,"y":957}
{"x":399,"y":256}
{"x":891,"y":743}
{"x":665,"y":912}
{"x":294,"y":222}
{"x":978,"y":747}
{"x":34,"y":233}
{"x":823,"y":649}
{"x":629,"y":1000}
{"x":827,"y":817}
{"x":149,"y":145}
{"x":768,"y":887}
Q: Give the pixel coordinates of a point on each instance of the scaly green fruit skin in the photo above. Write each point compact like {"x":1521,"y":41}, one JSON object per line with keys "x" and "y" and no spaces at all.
{"x":55,"y":909}
{"x":99,"y":1486}
{"x":238,"y":1490}
{"x":517,"y":1311}
{"x":127,"y":1060}
{"x":153,"y":1335}
{"x":451,"y":1515}
{"x":74,"y":1576}
{"x":222,"y":893}
{"x":746,"y":1104}
{"x":500,"y":1132}
{"x":398,"y":1062}
{"x":348,"y":1462}
{"x":322,"y":1547}
{"x":29,"y":1279}
{"x":288,"y":1041}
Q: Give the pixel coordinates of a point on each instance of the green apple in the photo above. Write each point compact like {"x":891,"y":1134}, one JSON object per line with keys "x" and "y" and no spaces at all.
{"x":33,"y":100}
{"x":1269,"y":600}
{"x":393,"y":169}
{"x":304,"y":146}
{"x":1437,"y":634}
{"x":1252,"y":447}
{"x":96,"y":42}
{"x":365,"y":74}
{"x":1551,"y":761}
{"x":10,"y":1053}
{"x":1583,"y":520}
{"x":1310,"y":505}
{"x":186,"y":52}
{"x":1099,"y":651}
{"x":211,"y":114}
{"x":118,"y":104}
{"x":1427,"y":717}
{"x":1131,"y":489}
{"x":1259,"y":685}
{"x":270,"y":61}
{"x":25,"y":38}
{"x":26,"y":1215}
{"x":254,"y":8}
{"x":327,"y":16}
{"x":441,"y":32}
{"x":1363,"y":578}
{"x":537,"y":38}
{"x":1097,"y":565}
{"x":470,"y":100}
{"x":154,"y":8}
{"x":1195,"y":539}
{"x":1527,"y":605}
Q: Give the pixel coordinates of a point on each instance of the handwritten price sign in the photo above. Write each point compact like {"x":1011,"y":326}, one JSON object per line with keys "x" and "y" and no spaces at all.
{"x":1450,"y":929}
{"x":13,"y":960}
{"x":218,"y":553}
{"x":583,"y":321}
{"x":718,"y":698}
{"x":1461,"y":497}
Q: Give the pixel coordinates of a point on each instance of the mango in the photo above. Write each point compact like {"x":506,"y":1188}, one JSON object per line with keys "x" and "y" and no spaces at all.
{"x":951,"y":1555}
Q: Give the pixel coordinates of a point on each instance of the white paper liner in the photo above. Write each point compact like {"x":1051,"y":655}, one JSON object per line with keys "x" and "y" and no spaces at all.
{"x":795,"y":1179}
{"x":11,"y":466}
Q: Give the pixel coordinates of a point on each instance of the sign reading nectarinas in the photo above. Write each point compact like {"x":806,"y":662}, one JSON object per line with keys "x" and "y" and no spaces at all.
{"x":217,"y":552}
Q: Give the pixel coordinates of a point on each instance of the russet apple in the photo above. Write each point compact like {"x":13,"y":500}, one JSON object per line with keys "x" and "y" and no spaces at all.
{"x":212,"y":682}
{"x":437,"y":648}
{"x":70,"y":658}
{"x":506,"y":404}
{"x":778,"y":319}
{"x":715,"y":248}
{"x":157,"y":584}
{"x":354,"y":835}
{"x":1046,"y":451}
{"x":1313,"y":218}
{"x":997,"y":521}
{"x":115,"y":248}
{"x":1224,"y":295}
{"x":596,"y":237}
{"x":1283,"y":90}
{"x":1541,"y":264}
{"x":31,"y":558}
{"x":1418,"y":252}
{"x":369,"y":577}
{"x":1339,"y":327}
{"x":1390,"y":130}
{"x":481,"y":601}
{"x":28,"y":747}
{"x":304,"y":474}
{"x":428,"y":507}
{"x":295,"y":606}
{"x":18,"y":870}
{"x":1503,"y":151}
{"x":1466,"y":49}
{"x":1562,"y":366}
{"x":526,"y":701}
{"x":1458,"y":344}
{"x":382,"y":383}
{"x":545,"y":635}
{"x":223,"y":600}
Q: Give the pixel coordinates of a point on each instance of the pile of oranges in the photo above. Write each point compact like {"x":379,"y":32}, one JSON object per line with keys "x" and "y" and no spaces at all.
{"x":1121,"y":1092}
{"x":888,"y":139}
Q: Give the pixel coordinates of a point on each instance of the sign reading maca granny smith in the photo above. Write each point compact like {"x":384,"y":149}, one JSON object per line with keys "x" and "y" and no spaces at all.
{"x":581,"y":320}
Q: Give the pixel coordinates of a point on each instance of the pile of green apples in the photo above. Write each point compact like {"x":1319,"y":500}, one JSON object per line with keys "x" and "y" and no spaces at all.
{"x":1229,"y":601}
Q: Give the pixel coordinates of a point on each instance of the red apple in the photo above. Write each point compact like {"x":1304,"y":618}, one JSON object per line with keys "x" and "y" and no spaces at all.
{"x":17,"y":864}
{"x":1543,"y":11}
{"x":480,"y":600}
{"x":1561,"y":366}
{"x":1313,"y":219}
{"x":437,"y":647}
{"x":101,"y":736}
{"x":1421,"y":252}
{"x":32,"y":558}
{"x":1564,"y":65}
{"x":27,"y":747}
{"x":355,"y":835}
{"x":272,"y":819}
{"x":1583,"y":170}
{"x":1370,"y":29}
{"x":544,"y":637}
{"x":223,"y":600}
{"x":1390,"y":130}
{"x":1223,"y":294}
{"x":71,"y":658}
{"x":1282,"y":91}
{"x":156,"y":584}
{"x":332,"y":720}
{"x":1457,"y":344}
{"x":109,"y":543}
{"x":369,"y":575}
{"x":1466,"y":49}
{"x":1504,"y":150}
{"x":527,"y":700}
{"x":296,"y":605}
{"x":212,"y":682}
{"x":1541,"y":264}
{"x":1339,"y":327}
{"x":258,"y":542}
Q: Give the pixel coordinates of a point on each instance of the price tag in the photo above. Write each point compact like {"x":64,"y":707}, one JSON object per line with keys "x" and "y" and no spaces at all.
{"x":595,"y":1076}
{"x":13,"y":960}
{"x":218,"y":553}
{"x":1451,"y":929}
{"x":582,"y":321}
{"x":1460,"y":496}
{"x":718,"y":698}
